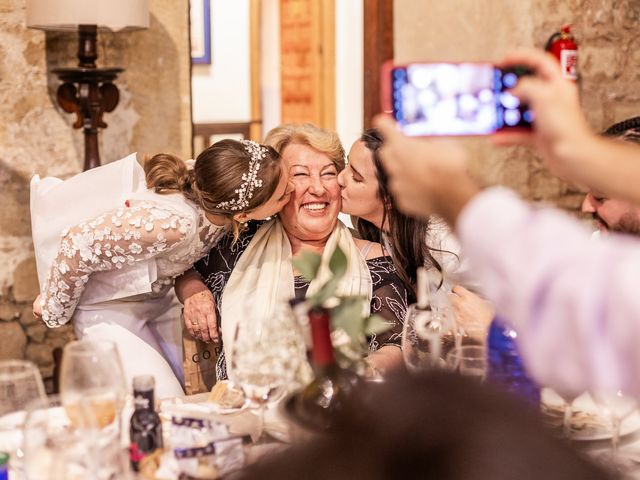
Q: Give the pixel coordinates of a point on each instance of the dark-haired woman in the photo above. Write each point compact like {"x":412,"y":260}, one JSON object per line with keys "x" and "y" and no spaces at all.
{"x":112,"y":270}
{"x":410,"y":242}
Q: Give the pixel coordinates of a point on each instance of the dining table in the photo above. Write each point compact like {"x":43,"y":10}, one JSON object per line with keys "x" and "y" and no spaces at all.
{"x":243,"y":423}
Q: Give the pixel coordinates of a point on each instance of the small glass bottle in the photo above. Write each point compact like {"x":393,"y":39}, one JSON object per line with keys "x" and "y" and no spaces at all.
{"x":326,"y":394}
{"x":145,"y":426}
{"x":505,"y":365}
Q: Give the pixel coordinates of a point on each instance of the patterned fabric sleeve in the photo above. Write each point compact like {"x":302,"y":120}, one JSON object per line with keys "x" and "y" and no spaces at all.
{"x":108,"y":242}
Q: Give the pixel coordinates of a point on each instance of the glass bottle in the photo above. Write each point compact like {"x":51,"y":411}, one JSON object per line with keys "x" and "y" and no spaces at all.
{"x":145,"y":426}
{"x":332,"y":385}
{"x":505,"y":365}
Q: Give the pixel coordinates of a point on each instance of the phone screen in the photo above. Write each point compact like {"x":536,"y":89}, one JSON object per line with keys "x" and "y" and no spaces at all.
{"x":456,"y":99}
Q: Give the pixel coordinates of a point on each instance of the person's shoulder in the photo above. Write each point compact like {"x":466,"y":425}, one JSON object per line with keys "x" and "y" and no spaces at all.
{"x":369,"y":249}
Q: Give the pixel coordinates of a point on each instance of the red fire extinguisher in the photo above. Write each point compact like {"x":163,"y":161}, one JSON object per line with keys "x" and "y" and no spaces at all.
{"x":563,"y":46}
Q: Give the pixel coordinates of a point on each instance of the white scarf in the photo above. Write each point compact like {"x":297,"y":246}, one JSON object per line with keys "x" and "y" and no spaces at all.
{"x":262,"y":280}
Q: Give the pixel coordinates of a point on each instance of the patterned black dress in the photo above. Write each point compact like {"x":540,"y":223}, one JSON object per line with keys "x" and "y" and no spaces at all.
{"x":389,"y":298}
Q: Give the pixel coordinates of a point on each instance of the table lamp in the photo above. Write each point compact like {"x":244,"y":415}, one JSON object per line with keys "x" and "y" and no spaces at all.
{"x":87,"y":90}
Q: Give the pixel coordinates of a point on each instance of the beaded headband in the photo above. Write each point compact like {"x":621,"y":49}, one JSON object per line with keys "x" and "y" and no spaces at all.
{"x":250,"y":180}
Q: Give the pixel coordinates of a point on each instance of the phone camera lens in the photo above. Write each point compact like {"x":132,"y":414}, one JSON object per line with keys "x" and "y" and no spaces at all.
{"x":509,"y":80}
{"x":511,"y":117}
{"x":509,"y":101}
{"x":528,"y":116}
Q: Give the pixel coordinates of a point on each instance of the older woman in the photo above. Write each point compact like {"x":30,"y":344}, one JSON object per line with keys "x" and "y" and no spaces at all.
{"x":256,"y":271}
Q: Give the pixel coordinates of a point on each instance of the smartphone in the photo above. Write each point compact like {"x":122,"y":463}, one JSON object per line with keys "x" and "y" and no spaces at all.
{"x":454,"y":98}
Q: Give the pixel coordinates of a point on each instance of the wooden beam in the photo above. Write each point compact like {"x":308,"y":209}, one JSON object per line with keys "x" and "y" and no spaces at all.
{"x":378,"y":48}
{"x":255,"y":24}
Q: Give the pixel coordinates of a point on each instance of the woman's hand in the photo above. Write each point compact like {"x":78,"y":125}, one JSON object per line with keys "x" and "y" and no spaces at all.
{"x":384,"y":360}
{"x":37,"y":308}
{"x":199,"y":315}
{"x":473,"y":313}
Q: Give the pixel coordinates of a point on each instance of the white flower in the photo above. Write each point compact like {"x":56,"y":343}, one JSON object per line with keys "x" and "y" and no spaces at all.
{"x":135,"y":248}
{"x":63,"y":267}
{"x":83,"y":243}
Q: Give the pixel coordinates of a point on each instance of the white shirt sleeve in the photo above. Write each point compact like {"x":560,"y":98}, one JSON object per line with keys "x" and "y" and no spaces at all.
{"x":573,"y":301}
{"x":107,"y":242}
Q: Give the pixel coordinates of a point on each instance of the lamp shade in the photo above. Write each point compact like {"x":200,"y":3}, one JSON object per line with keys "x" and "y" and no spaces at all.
{"x":115,"y":15}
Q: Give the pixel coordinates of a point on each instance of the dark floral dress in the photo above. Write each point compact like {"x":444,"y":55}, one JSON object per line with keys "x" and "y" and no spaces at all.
{"x":389,"y":298}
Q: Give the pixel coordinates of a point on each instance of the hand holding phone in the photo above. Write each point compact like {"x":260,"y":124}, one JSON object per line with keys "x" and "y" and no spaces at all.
{"x":454,"y":98}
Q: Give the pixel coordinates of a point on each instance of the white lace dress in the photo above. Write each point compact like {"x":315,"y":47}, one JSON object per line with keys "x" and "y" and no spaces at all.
{"x":111,"y":275}
{"x":143,"y":230}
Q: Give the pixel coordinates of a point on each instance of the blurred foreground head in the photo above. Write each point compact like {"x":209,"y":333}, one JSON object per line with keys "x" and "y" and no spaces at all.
{"x":439,"y":426}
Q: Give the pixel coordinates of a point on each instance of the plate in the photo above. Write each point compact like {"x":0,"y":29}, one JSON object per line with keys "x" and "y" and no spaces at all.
{"x":587,"y":422}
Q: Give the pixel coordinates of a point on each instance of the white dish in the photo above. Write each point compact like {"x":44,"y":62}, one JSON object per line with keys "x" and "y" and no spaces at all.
{"x":587,"y":423}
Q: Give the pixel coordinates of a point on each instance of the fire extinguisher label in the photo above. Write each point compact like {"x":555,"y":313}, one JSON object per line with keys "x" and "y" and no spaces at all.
{"x":569,"y":62}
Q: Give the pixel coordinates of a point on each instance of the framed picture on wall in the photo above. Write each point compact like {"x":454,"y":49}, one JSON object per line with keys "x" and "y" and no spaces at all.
{"x":200,"y":31}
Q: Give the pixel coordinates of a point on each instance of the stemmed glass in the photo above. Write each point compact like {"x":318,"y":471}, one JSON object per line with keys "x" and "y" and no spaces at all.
{"x":59,"y":443}
{"x":428,"y":335}
{"x":616,"y":407}
{"x":429,"y":330}
{"x":469,"y":360}
{"x":92,"y":374}
{"x":20,"y":383}
{"x":265,"y":358}
{"x":567,"y":409}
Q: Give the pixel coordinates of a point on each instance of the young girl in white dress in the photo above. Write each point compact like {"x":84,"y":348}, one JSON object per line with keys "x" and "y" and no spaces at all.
{"x":110,"y":241}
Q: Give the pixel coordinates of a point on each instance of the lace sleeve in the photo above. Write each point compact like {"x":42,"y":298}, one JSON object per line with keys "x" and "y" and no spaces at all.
{"x":389,"y":300}
{"x":108,"y":242}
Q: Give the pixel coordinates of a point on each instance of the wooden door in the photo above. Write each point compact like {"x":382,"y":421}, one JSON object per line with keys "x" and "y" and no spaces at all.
{"x":307,"y":46}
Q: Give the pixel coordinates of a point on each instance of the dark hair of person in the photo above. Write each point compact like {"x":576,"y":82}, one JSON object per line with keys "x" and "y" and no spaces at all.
{"x":437,"y":426}
{"x":406,"y":236}
{"x":628,"y":130}
{"x":216,"y":175}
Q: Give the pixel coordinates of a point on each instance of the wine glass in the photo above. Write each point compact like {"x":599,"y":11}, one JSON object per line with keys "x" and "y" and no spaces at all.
{"x":265,"y":357}
{"x":52,"y":449}
{"x":59,"y":444}
{"x":616,"y":406}
{"x":20,"y":383}
{"x":91,"y":374}
{"x":428,"y":334}
{"x":568,"y":398}
{"x":469,"y":360}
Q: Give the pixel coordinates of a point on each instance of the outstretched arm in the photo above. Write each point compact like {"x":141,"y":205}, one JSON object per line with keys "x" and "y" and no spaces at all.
{"x":108,"y":242}
{"x":561,"y":134}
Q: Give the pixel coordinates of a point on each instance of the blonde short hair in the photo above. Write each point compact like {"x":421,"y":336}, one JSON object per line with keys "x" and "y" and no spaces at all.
{"x":324,"y":141}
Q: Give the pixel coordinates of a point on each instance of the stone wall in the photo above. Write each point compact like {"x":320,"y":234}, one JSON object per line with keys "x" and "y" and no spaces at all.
{"x":154,"y":115}
{"x":609,"y":62}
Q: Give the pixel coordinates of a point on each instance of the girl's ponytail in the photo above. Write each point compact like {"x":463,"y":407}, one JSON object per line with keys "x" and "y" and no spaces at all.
{"x":167,"y":174}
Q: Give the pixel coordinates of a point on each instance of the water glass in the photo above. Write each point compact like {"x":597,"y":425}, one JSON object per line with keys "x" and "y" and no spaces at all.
{"x":615,"y":406}
{"x":92,"y":374}
{"x":469,"y":360}
{"x":20,"y":382}
{"x":62,"y":444}
{"x":265,"y":358}
{"x":428,"y":335}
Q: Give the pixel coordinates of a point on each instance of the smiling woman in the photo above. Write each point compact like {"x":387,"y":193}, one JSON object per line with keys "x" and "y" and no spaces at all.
{"x":259,"y":266}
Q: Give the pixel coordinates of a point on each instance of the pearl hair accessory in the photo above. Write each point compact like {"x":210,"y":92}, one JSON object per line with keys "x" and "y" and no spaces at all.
{"x":250,"y":180}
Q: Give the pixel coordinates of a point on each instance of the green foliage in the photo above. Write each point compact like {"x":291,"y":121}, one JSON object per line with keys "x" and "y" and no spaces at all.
{"x":346,"y":311}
